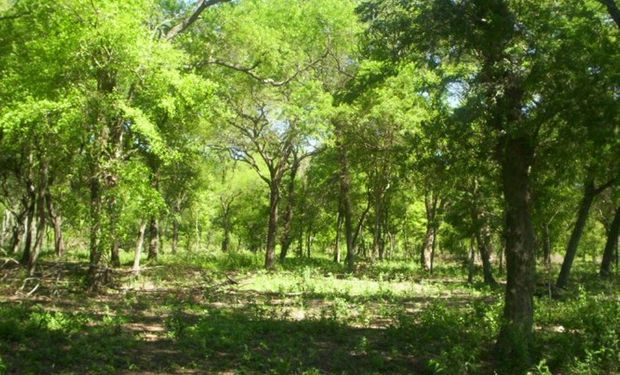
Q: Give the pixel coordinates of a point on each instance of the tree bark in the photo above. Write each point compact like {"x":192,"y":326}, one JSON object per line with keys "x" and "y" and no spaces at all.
{"x":29,"y":227}
{"x":515,"y":335}
{"x":175,"y":235}
{"x":471,"y":262}
{"x":272,"y":228}
{"x":430,"y":205}
{"x":153,"y":239}
{"x":484,"y":248}
{"x":611,"y":246}
{"x":56,"y":219}
{"x":287,"y":236}
{"x":573,"y":243}
{"x":17,"y":231}
{"x":5,"y":228}
{"x":94,"y":274}
{"x":338,"y":230}
{"x":613,"y":10}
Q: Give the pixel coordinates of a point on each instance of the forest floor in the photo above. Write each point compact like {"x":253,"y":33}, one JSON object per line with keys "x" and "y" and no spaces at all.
{"x":224,"y":315}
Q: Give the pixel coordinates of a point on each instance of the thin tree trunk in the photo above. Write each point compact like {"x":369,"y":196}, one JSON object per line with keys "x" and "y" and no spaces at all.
{"x":5,"y":226}
{"x":153,"y":239}
{"x":433,"y":247}
{"x":139,"y":247}
{"x":272,"y":228}
{"x":611,"y":245}
{"x":175,"y":235}
{"x":573,"y":243}
{"x":115,"y":258}
{"x":41,"y":223}
{"x":376,"y":236}
{"x":17,"y":232}
{"x":430,"y":204}
{"x":484,"y":249}
{"x":56,"y":218}
{"x":471,"y":261}
{"x":427,"y":247}
{"x":29,"y":227}
{"x":94,"y":277}
{"x":339,"y":221}
{"x":287,"y":237}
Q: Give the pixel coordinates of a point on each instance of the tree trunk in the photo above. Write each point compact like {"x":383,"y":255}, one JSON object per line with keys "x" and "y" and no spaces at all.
{"x":272,"y":228}
{"x":484,"y":248}
{"x":471,"y":262}
{"x":427,"y":247}
{"x":56,"y":219}
{"x":115,"y":258}
{"x":430,"y":205}
{"x":345,"y":198}
{"x":611,"y":245}
{"x":17,"y":232}
{"x":5,"y":228}
{"x":94,"y":274}
{"x":287,"y":236}
{"x":175,"y":235}
{"x":29,"y":227}
{"x":433,"y":248}
{"x":139,"y":247}
{"x":338,"y":229}
{"x":377,"y":248}
{"x":516,"y":330}
{"x":573,"y":243}
{"x":153,"y":239}
{"x":41,"y":223}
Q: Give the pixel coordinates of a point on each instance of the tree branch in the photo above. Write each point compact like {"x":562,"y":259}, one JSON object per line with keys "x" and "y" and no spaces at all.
{"x":613,"y":10}
{"x":187,"y":22}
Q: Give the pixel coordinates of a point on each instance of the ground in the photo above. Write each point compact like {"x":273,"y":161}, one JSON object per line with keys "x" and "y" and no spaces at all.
{"x":222,"y":314}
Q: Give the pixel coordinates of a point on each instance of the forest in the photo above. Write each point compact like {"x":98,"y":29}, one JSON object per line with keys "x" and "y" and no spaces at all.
{"x":309,"y":187}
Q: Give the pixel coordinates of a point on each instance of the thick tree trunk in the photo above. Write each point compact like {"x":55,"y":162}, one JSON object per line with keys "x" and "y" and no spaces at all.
{"x":272,"y":228}
{"x":573,"y":243}
{"x":139,"y":247}
{"x":153,"y":239}
{"x":611,"y":245}
{"x":516,"y":330}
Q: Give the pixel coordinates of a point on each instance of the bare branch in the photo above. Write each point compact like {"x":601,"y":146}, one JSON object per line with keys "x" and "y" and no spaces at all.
{"x":267,"y":81}
{"x":187,"y":22}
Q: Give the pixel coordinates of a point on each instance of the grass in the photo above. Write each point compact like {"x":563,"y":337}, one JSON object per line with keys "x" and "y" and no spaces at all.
{"x":221,"y":313}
